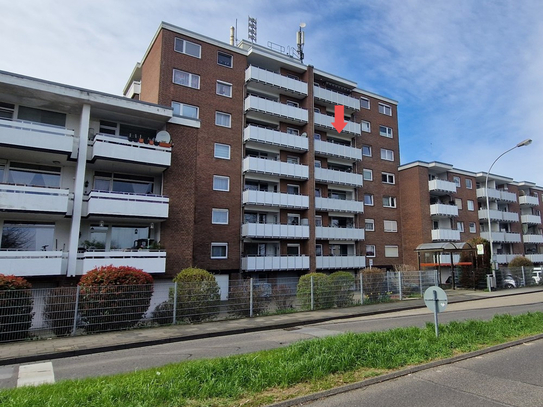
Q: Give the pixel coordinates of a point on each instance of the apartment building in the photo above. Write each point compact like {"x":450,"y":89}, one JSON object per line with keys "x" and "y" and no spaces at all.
{"x":446,"y":204}
{"x":261,"y":183}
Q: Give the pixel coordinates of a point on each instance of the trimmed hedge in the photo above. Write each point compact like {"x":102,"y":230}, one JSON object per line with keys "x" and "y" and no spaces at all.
{"x":15,"y":308}
{"x":322,"y":296}
{"x":342,"y":283}
{"x":239,"y":299}
{"x":59,"y":311}
{"x":198,"y":295}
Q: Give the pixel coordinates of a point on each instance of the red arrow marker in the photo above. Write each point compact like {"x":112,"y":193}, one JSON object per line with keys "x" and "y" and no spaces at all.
{"x":339,"y":118}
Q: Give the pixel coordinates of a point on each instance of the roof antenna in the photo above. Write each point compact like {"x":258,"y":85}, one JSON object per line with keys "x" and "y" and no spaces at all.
{"x":251,"y":28}
{"x":300,"y":40}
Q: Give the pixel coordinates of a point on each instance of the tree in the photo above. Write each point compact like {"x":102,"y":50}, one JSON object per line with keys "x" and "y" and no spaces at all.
{"x":521,"y":261}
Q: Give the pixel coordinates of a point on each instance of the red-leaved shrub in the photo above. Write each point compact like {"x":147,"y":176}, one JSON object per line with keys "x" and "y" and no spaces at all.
{"x":15,"y":308}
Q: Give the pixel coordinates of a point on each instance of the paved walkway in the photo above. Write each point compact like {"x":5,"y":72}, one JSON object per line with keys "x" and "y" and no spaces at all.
{"x":47,"y":349}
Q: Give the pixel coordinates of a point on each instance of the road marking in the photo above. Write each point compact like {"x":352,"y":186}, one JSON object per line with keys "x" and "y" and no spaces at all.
{"x":36,"y":374}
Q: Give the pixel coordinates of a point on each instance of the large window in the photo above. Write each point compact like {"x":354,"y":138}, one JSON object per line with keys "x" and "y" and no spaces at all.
{"x":187,"y":47}
{"x":41,"y":116}
{"x":219,"y":250}
{"x":28,"y":236}
{"x":219,"y":216}
{"x":387,"y":178}
{"x":34,"y":175}
{"x":385,"y":131}
{"x":224,"y":89}
{"x":6,"y":110}
{"x":385,"y":109}
{"x":221,"y":183}
{"x":182,"y":109}
{"x":113,"y":182}
{"x":224,"y":59}
{"x":391,"y":251}
{"x":387,"y":154}
{"x":186,"y":79}
{"x":222,"y":151}
{"x":223,"y":119}
{"x":390,"y":225}
{"x":389,"y":202}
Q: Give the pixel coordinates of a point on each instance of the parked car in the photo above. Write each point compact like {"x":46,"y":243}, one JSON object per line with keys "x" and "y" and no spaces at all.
{"x":509,"y":281}
{"x":536,"y":275}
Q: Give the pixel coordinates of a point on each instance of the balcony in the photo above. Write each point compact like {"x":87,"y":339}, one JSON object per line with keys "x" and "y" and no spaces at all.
{"x":36,"y":136}
{"x":535,"y":258}
{"x":337,"y":150}
{"x":532,"y":239}
{"x":334,"y":98}
{"x":276,"y":168}
{"x":331,"y":233}
{"x":280,"y":200}
{"x":510,"y":216}
{"x":505,"y":258}
{"x":271,"y":79}
{"x":275,"y":138}
{"x":273,"y":231}
{"x":109,"y":147}
{"x":33,"y":263}
{"x":443,"y":210}
{"x":531,"y":219}
{"x":496,"y":215}
{"x":496,"y":194}
{"x":148,"y":261}
{"x":441,"y":186}
{"x":445,"y":235}
{"x":341,"y":262}
{"x":324,"y":122}
{"x":126,"y":204}
{"x":528,"y":200}
{"x":33,"y":199}
{"x":338,"y":177}
{"x":502,"y":237}
{"x":338,"y":205}
{"x":275,"y":263}
{"x":283,"y":111}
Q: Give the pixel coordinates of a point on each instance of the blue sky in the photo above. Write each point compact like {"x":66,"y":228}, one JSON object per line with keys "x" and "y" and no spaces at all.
{"x":468,"y":74}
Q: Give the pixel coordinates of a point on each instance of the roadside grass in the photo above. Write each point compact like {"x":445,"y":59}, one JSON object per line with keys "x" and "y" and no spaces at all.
{"x":266,"y":377}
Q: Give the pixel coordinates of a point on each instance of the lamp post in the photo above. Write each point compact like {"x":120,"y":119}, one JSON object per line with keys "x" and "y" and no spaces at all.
{"x":521,"y":144}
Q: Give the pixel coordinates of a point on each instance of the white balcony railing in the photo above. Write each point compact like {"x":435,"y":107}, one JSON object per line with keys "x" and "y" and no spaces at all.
{"x":274,"y":231}
{"x":338,"y":205}
{"x":330,"y":233}
{"x":528,"y":200}
{"x":502,"y":237}
{"x":445,"y":235}
{"x":338,"y":177}
{"x":440,"y":185}
{"x":496,"y":215}
{"x":341,"y":262}
{"x":532,"y":238}
{"x":33,"y":263}
{"x":114,"y":148}
{"x":276,"y":168}
{"x":510,"y":216}
{"x":325,"y":122}
{"x":280,"y":200}
{"x":125,"y":204}
{"x":23,"y":134}
{"x":148,"y":261}
{"x":275,"y":263}
{"x":504,"y":258}
{"x":443,"y":210}
{"x":259,"y":104}
{"x":33,"y":199}
{"x":338,"y":150}
{"x":336,"y":98}
{"x":535,"y":258}
{"x":253,"y":73}
{"x":275,"y":138}
{"x":496,"y":194}
{"x":531,"y":219}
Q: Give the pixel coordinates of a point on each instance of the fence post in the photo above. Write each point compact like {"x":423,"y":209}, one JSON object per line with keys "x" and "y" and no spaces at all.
{"x":312,"y":297}
{"x":174,"y":317}
{"x":523,"y":277}
{"x":388,"y":283}
{"x":251,"y":299}
{"x":76,"y":309}
{"x":420,"y":282}
{"x":400,"y":284}
{"x":361,"y":290}
{"x":435,"y":278}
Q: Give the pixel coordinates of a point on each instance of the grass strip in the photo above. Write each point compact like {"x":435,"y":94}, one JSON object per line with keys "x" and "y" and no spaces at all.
{"x":243,"y":379}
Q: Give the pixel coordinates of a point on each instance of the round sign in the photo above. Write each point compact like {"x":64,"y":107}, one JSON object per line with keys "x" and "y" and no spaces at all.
{"x":430,"y":299}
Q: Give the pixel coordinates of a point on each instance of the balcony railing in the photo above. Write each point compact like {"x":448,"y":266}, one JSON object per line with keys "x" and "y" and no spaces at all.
{"x":276,"y":168}
{"x":338,"y":205}
{"x":275,"y":263}
{"x":338,"y":150}
{"x":341,"y":262}
{"x":282,"y":110}
{"x":38,"y":136}
{"x":440,"y":185}
{"x":496,"y":194}
{"x":502,"y":237}
{"x":126,"y":204}
{"x":33,"y":263}
{"x":445,"y":235}
{"x":528,"y":200}
{"x":331,"y":233}
{"x":496,"y":215}
{"x":117,"y":148}
{"x":274,"y":231}
{"x":275,"y":138}
{"x":505,"y":258}
{"x":338,"y":177}
{"x":148,"y":261}
{"x":531,"y":219}
{"x":532,"y":238}
{"x":324,"y":121}
{"x":280,"y":200}
{"x":535,"y":258}
{"x":253,"y":73}
{"x":336,"y":98}
{"x":443,"y":210}
{"x":33,"y":199}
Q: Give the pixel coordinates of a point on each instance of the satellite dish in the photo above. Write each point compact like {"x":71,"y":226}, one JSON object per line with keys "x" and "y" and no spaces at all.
{"x":163,"y":137}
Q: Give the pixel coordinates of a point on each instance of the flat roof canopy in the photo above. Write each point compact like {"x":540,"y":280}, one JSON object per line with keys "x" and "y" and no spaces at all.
{"x":443,"y":247}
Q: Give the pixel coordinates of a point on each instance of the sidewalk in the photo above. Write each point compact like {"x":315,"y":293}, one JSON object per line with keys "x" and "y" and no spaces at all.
{"x":47,"y":349}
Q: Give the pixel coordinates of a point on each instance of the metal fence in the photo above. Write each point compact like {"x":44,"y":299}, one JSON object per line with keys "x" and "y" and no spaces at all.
{"x":64,"y":311}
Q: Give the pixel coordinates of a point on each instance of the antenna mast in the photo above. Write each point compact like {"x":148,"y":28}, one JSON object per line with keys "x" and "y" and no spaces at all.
{"x":251,"y":28}
{"x":300,"y":40}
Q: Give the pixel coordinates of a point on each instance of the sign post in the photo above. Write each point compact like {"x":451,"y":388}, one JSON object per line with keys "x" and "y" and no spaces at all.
{"x":436,"y":300}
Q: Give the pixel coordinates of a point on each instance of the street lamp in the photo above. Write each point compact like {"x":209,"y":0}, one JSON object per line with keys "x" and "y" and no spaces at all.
{"x":521,"y":144}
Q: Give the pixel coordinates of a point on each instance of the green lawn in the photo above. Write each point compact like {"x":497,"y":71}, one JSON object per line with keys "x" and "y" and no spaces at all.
{"x":264,"y":377}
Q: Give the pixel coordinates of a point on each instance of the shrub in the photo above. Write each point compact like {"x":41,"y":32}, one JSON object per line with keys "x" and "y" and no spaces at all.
{"x":113,"y":298}
{"x":322,"y":298}
{"x":373,"y":281}
{"x":342,"y":283}
{"x":15,"y":308}
{"x":283,"y":297}
{"x":520,"y":261}
{"x":239,"y":299}
{"x":163,"y":313}
{"x":198,"y":296}
{"x":59,"y":311}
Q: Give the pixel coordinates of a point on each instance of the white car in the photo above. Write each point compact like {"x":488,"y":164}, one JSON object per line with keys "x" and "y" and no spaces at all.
{"x":536,"y":275}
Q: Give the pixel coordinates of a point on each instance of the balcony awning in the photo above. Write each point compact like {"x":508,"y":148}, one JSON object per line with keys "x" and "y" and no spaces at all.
{"x":444,"y":247}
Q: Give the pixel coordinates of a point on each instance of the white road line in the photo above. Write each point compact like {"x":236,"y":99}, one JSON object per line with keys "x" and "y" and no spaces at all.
{"x":36,"y":374}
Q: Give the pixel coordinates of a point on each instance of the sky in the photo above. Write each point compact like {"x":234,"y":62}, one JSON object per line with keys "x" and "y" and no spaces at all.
{"x":467,"y":74}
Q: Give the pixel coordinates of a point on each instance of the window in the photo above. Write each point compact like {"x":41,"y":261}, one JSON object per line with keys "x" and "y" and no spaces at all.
{"x":370,"y":250}
{"x":127,"y":183}
{"x":460,"y":226}
{"x":364,"y":103}
{"x":385,"y":131}
{"x":292,"y":159}
{"x":293,"y":219}
{"x":385,"y":109}
{"x":318,"y":164}
{"x":316,"y":136}
{"x":389,"y":202}
{"x":368,"y":199}
{"x":458,"y":203}
{"x":219,"y":250}
{"x":369,"y":225}
{"x":293,"y":189}
{"x":187,"y":47}
{"x":219,"y":216}
{"x":28,"y":236}
{"x":292,"y":103}
{"x":318,"y":220}
{"x":366,"y":126}
{"x":318,"y":192}
{"x":34,"y":175}
{"x":390,"y":225}
{"x":391,"y":251}
{"x":471,"y":205}
{"x":221,"y":183}
{"x":387,"y":154}
{"x":293,"y":249}
{"x":6,"y":110}
{"x":368,"y":175}
{"x":186,"y":79}
{"x":294,"y":132}
{"x":388,"y":178}
{"x":222,"y":151}
{"x":472,"y":227}
{"x":469,"y":183}
{"x":224,"y":89}
{"x":224,"y":59}
{"x":41,"y":116}
{"x":456,"y":181}
{"x":182,"y":109}
{"x":316,"y":110}
{"x":223,"y":119}
{"x":366,"y":151}
{"x":318,"y":250}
